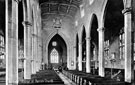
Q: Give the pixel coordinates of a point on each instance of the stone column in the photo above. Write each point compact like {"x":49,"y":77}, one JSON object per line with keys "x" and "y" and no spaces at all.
{"x":32,"y":61}
{"x":40,"y":54}
{"x":39,"y":49}
{"x":11,"y":42}
{"x":68,"y":58}
{"x":38,"y":57}
{"x":34,"y":35}
{"x":129,"y":40}
{"x":74,"y":57}
{"x":80,"y":57}
{"x":33,"y":54}
{"x":96,"y":56}
{"x":31,"y":49}
{"x":27,"y":40}
{"x":34,"y":51}
{"x":88,"y":68}
{"x":37,"y":38}
{"x":42,"y":59}
{"x":27,"y":50}
{"x":101,"y":51}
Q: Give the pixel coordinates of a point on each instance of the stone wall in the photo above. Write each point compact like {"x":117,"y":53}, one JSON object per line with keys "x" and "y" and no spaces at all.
{"x":66,"y":31}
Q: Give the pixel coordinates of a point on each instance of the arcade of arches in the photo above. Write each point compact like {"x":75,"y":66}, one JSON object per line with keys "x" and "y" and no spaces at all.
{"x":89,"y":36}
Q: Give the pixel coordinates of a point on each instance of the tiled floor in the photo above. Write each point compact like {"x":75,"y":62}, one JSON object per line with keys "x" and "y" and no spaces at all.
{"x":66,"y":80}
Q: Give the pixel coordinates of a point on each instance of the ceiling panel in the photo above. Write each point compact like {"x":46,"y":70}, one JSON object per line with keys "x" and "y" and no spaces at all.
{"x":63,"y":8}
{"x":69,"y":7}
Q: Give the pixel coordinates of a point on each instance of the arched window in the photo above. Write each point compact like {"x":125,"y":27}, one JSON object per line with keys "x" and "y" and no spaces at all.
{"x":54,"y":56}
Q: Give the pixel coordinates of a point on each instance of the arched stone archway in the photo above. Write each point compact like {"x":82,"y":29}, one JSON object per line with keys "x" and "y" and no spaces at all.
{"x":82,"y":50}
{"x":113,"y":30}
{"x":83,"y":41}
{"x":58,"y":44}
{"x":111,"y":8}
{"x":117,"y":23}
{"x":48,"y":41}
{"x":94,"y":44}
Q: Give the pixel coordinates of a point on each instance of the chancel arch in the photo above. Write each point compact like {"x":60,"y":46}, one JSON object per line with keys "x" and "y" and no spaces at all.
{"x":57,"y":49}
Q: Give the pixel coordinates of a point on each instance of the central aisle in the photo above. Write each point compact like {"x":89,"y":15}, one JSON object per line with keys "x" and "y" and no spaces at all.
{"x":66,"y":80}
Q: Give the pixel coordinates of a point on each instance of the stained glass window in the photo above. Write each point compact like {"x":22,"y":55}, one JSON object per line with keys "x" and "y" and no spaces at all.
{"x":54,"y":56}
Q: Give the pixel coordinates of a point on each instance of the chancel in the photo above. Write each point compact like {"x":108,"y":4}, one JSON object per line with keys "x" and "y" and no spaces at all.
{"x":67,"y":42}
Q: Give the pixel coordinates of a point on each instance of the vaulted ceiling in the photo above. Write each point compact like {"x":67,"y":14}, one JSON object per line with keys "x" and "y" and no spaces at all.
{"x":61,"y":7}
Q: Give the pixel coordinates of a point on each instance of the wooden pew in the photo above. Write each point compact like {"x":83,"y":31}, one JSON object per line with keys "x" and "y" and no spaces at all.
{"x":47,"y":77}
{"x":81,"y":78}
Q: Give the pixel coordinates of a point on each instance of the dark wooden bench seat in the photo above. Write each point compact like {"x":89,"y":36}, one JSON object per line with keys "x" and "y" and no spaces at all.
{"x":46,"y":77}
{"x":82,"y":78}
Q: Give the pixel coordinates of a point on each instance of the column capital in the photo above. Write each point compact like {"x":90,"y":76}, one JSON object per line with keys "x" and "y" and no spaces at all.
{"x":127,"y":10}
{"x":35,"y":35}
{"x":17,"y":1}
{"x":80,"y":43}
{"x":101,"y":29}
{"x":32,"y":60}
{"x":88,"y":38}
{"x":74,"y":46}
{"x":22,"y":58}
{"x":27,"y":23}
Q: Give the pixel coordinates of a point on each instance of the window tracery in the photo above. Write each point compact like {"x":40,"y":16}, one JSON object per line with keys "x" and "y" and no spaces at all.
{"x":54,"y":56}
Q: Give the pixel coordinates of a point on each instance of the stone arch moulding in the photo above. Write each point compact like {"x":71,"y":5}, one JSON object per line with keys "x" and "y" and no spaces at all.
{"x":51,"y":36}
{"x":76,"y":36}
{"x":83,"y":28}
{"x":92,"y":16}
{"x":126,"y":3}
{"x":103,"y":14}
